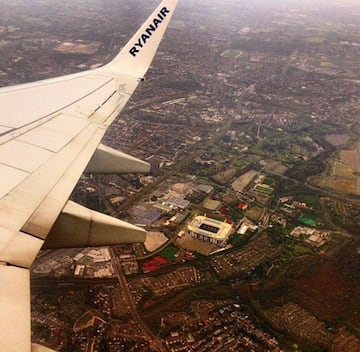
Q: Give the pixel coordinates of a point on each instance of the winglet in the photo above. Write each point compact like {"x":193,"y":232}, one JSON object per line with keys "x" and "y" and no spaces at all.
{"x":136,"y":56}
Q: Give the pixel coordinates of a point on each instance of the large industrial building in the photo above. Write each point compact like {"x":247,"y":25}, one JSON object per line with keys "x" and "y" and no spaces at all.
{"x":210,"y":230}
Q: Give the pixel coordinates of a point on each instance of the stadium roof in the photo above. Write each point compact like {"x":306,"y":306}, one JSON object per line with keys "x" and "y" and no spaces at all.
{"x":210,"y":227}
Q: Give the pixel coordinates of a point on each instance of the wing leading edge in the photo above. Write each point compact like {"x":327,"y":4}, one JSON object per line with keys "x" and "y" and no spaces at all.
{"x":50,"y":132}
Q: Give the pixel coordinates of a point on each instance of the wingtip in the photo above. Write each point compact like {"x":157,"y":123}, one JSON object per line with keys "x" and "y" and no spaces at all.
{"x":136,"y":56}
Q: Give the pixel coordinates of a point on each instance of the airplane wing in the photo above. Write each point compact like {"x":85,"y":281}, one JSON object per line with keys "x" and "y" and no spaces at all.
{"x":50,"y":132}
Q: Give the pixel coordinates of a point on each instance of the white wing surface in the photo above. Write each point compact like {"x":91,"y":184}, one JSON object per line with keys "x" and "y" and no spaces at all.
{"x":50,"y":132}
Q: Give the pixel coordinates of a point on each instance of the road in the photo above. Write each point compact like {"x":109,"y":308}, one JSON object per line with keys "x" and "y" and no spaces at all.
{"x":178,"y":167}
{"x":155,"y":343}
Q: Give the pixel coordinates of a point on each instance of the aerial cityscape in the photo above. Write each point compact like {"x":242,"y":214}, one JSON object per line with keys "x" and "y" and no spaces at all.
{"x":250,"y":119}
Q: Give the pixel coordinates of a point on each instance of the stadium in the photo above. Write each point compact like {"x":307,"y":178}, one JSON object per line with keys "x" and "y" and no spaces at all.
{"x":210,"y":230}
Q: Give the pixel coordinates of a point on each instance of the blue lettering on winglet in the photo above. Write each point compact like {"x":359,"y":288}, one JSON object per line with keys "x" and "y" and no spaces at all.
{"x":152,"y":27}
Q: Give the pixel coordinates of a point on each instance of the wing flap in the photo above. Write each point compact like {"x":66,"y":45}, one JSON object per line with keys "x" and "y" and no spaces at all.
{"x":104,"y":105}
{"x":55,"y":179}
{"x":46,"y":138}
{"x":12,"y":154}
{"x":18,"y":248}
{"x":68,"y":125}
{"x":72,"y":163}
{"x":10,"y":178}
{"x":4,"y":129}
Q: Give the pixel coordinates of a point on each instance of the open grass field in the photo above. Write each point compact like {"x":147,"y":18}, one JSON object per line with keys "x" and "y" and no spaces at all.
{"x":275,"y":165}
{"x":225,"y":176}
{"x":337,"y":139}
{"x":341,"y":169}
{"x":338,"y":184}
{"x":169,"y":253}
{"x":307,"y":220}
{"x":315,"y":40}
{"x":232,"y":54}
{"x":78,"y":48}
{"x":262,"y":189}
{"x":352,"y":157}
{"x":241,"y":182}
{"x":195,"y":245}
{"x":344,"y":173}
{"x":327,"y":64}
{"x":254,"y":213}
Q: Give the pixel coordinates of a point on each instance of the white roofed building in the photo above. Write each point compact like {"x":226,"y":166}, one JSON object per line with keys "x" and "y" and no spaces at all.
{"x":210,"y":230}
